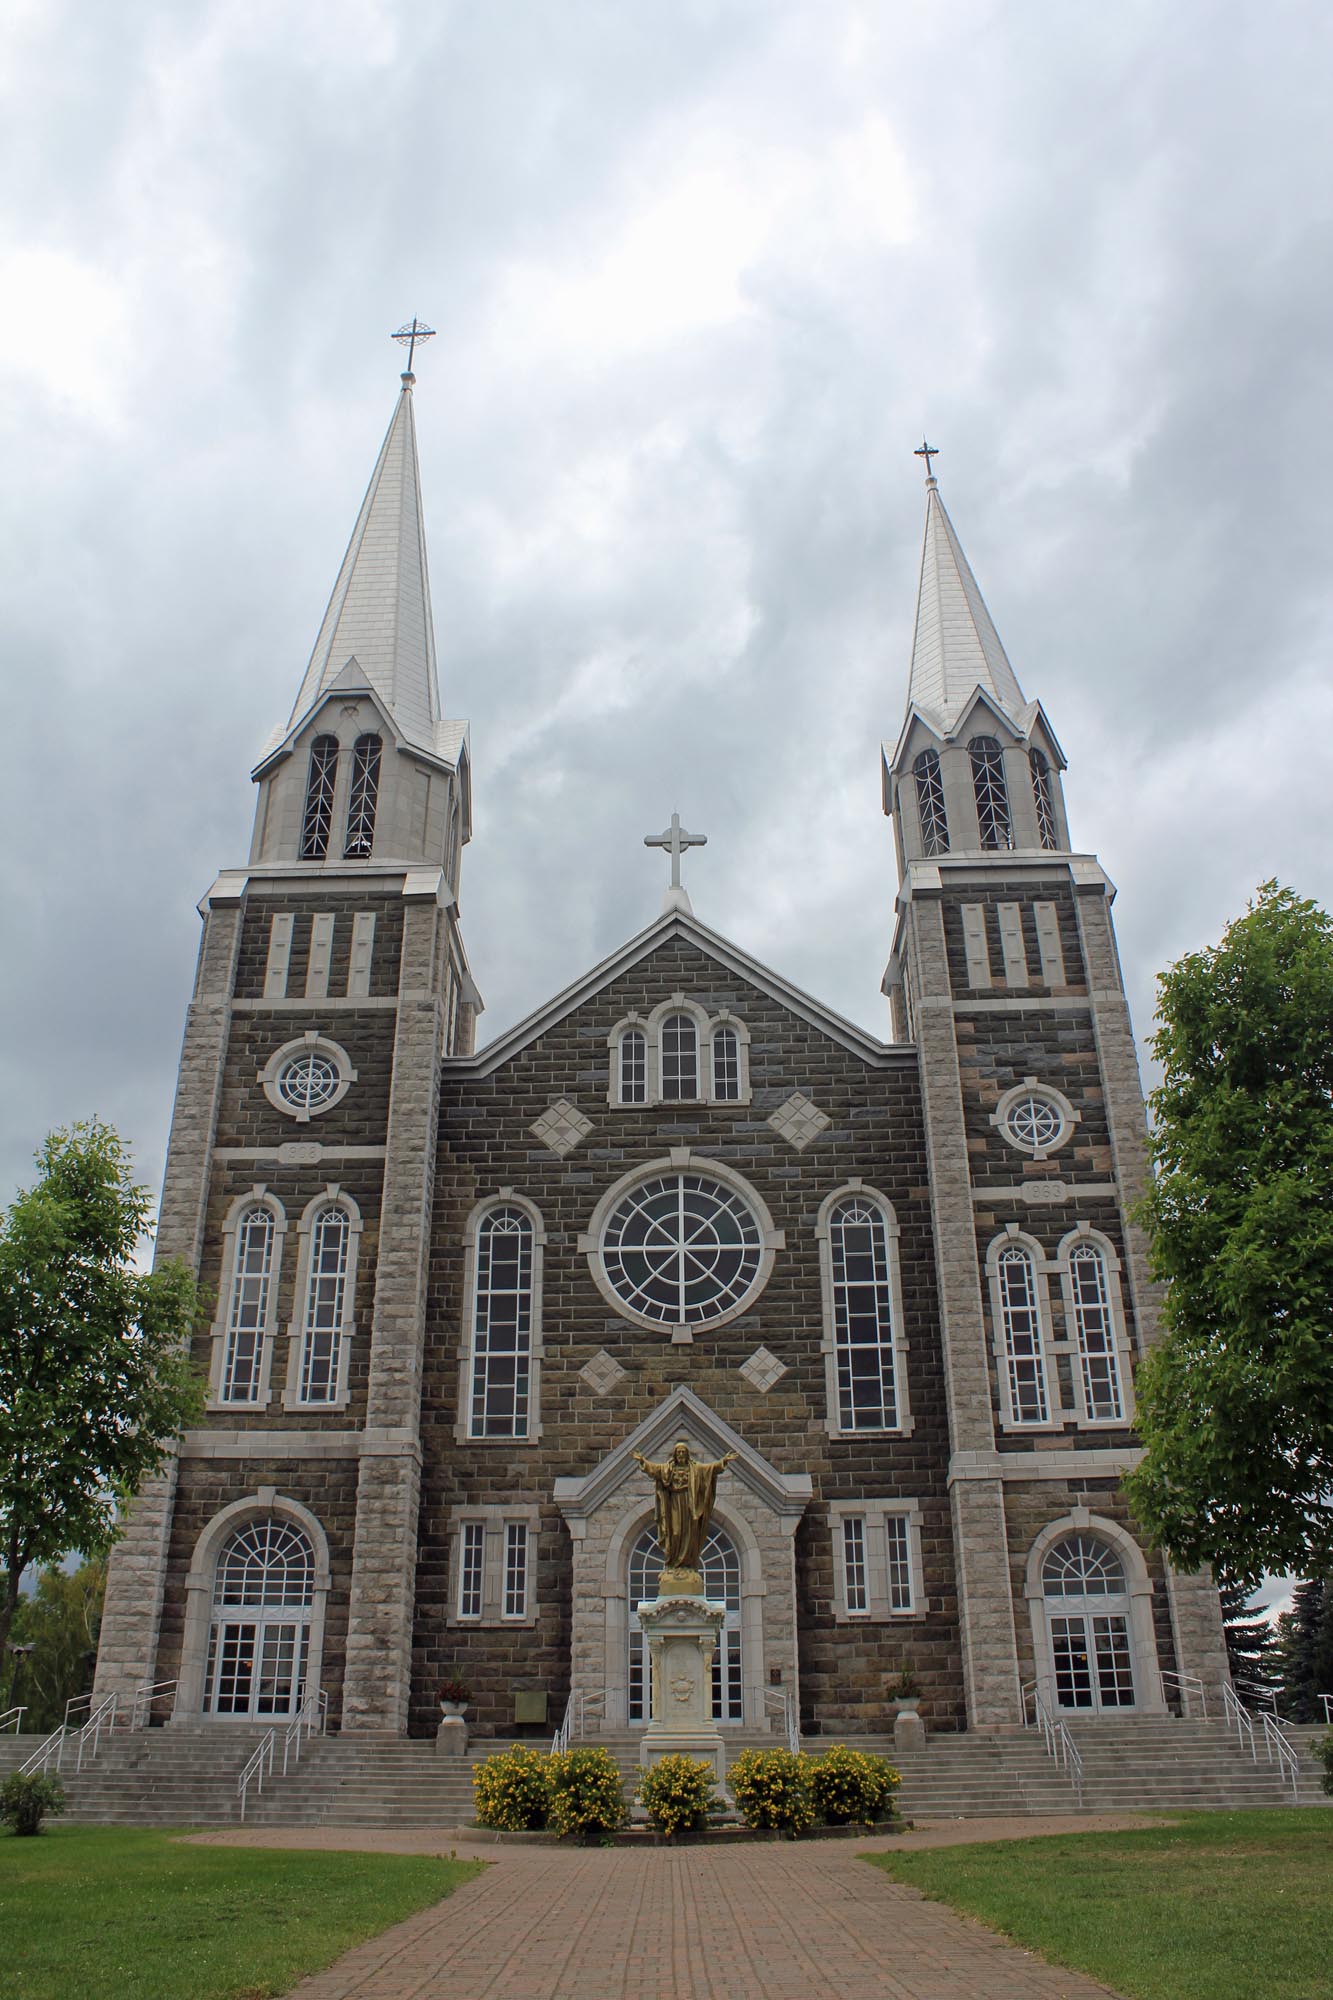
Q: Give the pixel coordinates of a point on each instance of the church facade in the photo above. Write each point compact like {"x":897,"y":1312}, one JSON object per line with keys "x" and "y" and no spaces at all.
{"x":457,"y":1289}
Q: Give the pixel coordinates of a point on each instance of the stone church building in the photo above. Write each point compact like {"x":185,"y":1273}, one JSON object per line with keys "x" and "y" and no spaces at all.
{"x":454,"y":1288}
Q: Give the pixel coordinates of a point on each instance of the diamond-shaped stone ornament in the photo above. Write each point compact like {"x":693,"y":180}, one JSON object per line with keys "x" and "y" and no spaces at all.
{"x":562,"y":1126}
{"x":763,"y":1369}
{"x":602,"y":1373}
{"x":799,"y":1120}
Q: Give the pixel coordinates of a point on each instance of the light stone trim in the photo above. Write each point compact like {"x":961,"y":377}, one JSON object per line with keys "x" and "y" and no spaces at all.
{"x":762,"y":1370}
{"x":1149,"y":1697}
{"x":1009,"y":1237}
{"x":495,"y":1519}
{"x":331,"y":1196}
{"x":279,"y":955}
{"x":1094,"y":1462}
{"x":976,"y":950}
{"x":650,"y":1027}
{"x":602,"y":1373}
{"x":299,"y":1152}
{"x":257,"y":1196}
{"x":315,"y":1043}
{"x":855,"y":1188}
{"x":199,"y":1592}
{"x":561,"y":1127}
{"x":799,"y":1121}
{"x":1049,"y":947}
{"x":363,"y":949}
{"x":1044,"y":1192}
{"x":1017,"y":1003}
{"x":321,"y":955}
{"x":1031,"y":1086}
{"x":1083,"y":1232}
{"x":331,"y":1003}
{"x":504,"y":1197}
{"x":1012,"y":948}
{"x":876,"y":1513}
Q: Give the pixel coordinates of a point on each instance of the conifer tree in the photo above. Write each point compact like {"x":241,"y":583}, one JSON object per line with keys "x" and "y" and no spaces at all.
{"x":1305,"y":1651}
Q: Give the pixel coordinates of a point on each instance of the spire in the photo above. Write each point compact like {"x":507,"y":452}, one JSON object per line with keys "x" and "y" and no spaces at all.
{"x":379,"y":613}
{"x":956,"y":648}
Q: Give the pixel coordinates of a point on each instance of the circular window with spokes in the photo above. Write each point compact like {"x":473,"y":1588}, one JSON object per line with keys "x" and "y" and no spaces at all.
{"x":1034,"y":1119}
{"x":307,"y":1077}
{"x":686,"y":1247}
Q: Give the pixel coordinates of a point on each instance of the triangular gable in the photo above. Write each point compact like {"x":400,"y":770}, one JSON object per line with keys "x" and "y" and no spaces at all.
{"x":686,"y":1415}
{"x":675,"y":923}
{"x":352,"y":679}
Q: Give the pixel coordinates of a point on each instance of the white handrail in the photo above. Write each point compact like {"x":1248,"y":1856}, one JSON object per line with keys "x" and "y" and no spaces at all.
{"x":572,"y":1723}
{"x":309,"y":1720}
{"x":1326,"y":1703}
{"x":1277,"y":1746}
{"x":52,"y":1749}
{"x":1262,"y":1696}
{"x":254,"y":1770}
{"x":781,"y":1700}
{"x":1235,"y":1715}
{"x":102,"y":1717}
{"x":144,"y":1698}
{"x":1188,"y":1685}
{"x":13,"y":1716}
{"x":1060,"y":1745}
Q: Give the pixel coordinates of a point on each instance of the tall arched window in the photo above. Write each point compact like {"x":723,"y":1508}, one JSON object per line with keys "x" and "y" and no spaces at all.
{"x":861,"y":1309}
{"x":1018,"y":1304}
{"x":259,"y":1636}
{"x":248,"y":1306}
{"x":327,"y":1305}
{"x":726,"y":1065}
{"x":362,"y":798}
{"x":930,"y":803}
{"x":1043,"y":795}
{"x":633,"y":1067}
{"x":1091,"y":1307}
{"x":502,"y":1316}
{"x":318,"y":821}
{"x":992,"y":794}
{"x":721,"y":1571}
{"x":680,"y":1058}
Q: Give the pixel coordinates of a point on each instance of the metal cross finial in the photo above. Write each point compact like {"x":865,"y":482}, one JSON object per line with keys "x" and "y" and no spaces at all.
{"x":675,"y":840}
{"x":409,"y":336}
{"x":927,"y":451}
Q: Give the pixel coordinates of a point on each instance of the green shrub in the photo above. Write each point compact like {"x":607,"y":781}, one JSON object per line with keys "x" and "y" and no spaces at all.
{"x":772,"y":1790}
{"x":1323,"y":1750}
{"x":678,"y":1793}
{"x":852,"y":1787}
{"x":25,"y":1800}
{"x":587,"y":1797}
{"x":513,"y":1790}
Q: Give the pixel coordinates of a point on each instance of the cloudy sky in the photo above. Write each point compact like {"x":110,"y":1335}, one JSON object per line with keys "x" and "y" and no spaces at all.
{"x":703,"y":272}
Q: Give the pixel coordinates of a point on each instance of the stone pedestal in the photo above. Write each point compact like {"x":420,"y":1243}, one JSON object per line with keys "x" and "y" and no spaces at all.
{"x":909,"y":1731}
{"x":451,"y":1737}
{"x":681,"y":1633}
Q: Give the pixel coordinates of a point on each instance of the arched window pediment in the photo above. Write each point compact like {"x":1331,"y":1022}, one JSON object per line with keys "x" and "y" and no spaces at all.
{"x":679,"y":1054}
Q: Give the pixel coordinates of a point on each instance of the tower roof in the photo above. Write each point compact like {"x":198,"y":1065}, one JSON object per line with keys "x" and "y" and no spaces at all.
{"x":379,"y":614}
{"x":956,"y":648}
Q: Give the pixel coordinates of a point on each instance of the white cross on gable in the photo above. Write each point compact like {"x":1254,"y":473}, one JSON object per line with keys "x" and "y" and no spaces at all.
{"x":675,"y":840}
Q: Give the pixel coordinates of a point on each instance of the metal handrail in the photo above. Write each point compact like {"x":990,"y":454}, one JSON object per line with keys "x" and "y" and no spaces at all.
{"x":1326,"y":1703}
{"x":1187,"y":1685}
{"x":144,"y":1698}
{"x":52,"y":1749}
{"x":1060,"y":1745}
{"x":102,"y":1717}
{"x":13,"y":1717}
{"x":1237,"y":1718}
{"x":261,"y":1760}
{"x":1278,"y":1746}
{"x":781,"y":1700}
{"x":310,"y":1720}
{"x":572,"y":1723}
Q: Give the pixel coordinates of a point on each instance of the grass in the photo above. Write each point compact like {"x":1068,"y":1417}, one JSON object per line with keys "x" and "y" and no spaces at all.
{"x":114,"y":1913}
{"x":1214,"y":1906}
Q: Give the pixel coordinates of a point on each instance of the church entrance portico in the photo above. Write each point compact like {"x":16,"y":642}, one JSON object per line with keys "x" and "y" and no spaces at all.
{"x":748,"y":1564}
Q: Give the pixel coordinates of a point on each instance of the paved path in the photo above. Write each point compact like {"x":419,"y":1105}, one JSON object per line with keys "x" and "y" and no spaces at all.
{"x":762,"y":1922}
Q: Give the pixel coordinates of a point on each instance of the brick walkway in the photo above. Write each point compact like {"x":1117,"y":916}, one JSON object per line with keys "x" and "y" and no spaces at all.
{"x":753,"y":1923}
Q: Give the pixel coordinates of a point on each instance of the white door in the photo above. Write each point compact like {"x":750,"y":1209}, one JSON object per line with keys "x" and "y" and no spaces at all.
{"x":259,"y":1640}
{"x":721,"y":1570}
{"x":1087,"y":1623}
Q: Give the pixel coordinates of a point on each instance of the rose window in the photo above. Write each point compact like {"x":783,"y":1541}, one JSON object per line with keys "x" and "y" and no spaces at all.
{"x":682,"y":1249}
{"x":1034,"y":1122}
{"x":308,"y":1082}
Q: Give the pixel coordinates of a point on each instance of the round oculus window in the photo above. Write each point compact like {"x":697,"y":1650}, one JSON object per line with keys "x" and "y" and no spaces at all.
{"x":682,"y":1249}
{"x":309,"y":1081}
{"x":1034,"y":1122}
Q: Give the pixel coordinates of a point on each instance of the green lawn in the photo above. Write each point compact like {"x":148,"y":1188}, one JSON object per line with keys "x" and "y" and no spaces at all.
{"x":112,"y":1913}
{"x":1217,"y":1906}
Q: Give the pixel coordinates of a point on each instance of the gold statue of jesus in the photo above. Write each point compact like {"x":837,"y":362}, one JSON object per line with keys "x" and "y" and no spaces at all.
{"x":686,"y":1491}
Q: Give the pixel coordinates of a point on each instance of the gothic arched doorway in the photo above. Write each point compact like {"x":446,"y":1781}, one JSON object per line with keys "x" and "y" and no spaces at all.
{"x":1086,"y":1600}
{"x":721,"y":1569}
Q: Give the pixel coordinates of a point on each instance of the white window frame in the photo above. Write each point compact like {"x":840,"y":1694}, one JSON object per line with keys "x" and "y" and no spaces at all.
{"x":311,"y":1043}
{"x":875,"y":1516}
{"x":1122,"y":1347}
{"x":705,"y":1026}
{"x":1011,"y":1237}
{"x":633,"y":1024}
{"x":256,"y":1197}
{"x":856,"y":1189}
{"x":1032,"y":1087}
{"x":504,"y":1197}
{"x":298,"y":1329}
{"x":494,"y":1524}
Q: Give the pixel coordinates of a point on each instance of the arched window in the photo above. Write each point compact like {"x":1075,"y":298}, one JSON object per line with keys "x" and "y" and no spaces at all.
{"x":1091,"y":1307}
{"x":502,"y":1315}
{"x":1043,"y":794}
{"x":721,"y":1571}
{"x":1018,"y":1304}
{"x":930,"y":803}
{"x":242,"y":1379}
{"x":861,"y":1310}
{"x":726,"y":1065}
{"x":454,"y":848}
{"x":1088,"y":1619}
{"x":680,"y":1058}
{"x":318,"y":821}
{"x":633,"y":1067}
{"x":327,"y":1305}
{"x":259,"y":1636}
{"x":362,"y":798}
{"x":991,"y":792}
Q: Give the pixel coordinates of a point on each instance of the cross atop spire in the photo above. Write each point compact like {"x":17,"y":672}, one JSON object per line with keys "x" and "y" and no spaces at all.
{"x":408,"y":335}
{"x":927,"y":451}
{"x":675,"y":840}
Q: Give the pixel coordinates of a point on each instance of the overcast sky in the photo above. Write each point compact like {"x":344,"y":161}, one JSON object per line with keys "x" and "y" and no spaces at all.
{"x":703,"y":272}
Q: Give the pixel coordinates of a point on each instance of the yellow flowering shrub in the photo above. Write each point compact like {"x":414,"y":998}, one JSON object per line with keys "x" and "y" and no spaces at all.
{"x":587,"y":1797}
{"x":513,"y":1790}
{"x":852,"y":1787}
{"x":772,"y":1790}
{"x":678,"y":1794}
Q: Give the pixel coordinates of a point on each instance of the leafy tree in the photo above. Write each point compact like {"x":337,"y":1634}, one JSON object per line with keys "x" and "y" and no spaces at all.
{"x":1236,"y":1404}
{"x":1251,"y":1642}
{"x":95,"y":1380}
{"x":1305,"y":1650}
{"x":59,"y":1621}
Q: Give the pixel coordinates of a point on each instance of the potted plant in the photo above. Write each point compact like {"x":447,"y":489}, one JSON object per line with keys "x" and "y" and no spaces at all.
{"x":903,"y":1689}
{"x":454,"y":1696}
